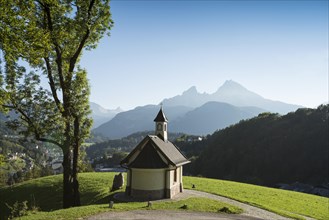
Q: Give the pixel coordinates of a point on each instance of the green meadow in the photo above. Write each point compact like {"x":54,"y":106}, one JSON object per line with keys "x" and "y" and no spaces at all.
{"x":46,"y":194}
{"x":192,"y":204}
{"x":283,"y":202}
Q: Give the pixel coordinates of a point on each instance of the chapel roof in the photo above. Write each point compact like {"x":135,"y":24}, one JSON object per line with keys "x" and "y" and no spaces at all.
{"x":148,"y":158}
{"x":164,"y":149}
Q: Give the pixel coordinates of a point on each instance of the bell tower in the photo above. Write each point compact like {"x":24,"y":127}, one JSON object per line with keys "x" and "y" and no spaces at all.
{"x":161,"y":127}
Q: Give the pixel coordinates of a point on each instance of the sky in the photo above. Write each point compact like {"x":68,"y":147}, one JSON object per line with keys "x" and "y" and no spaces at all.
{"x":158,"y":49}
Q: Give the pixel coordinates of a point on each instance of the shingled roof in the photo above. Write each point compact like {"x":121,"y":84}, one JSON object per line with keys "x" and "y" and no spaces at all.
{"x":161,"y":117}
{"x":151,"y":148}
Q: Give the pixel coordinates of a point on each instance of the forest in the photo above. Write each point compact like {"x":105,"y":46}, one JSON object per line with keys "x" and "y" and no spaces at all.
{"x":266,"y":150}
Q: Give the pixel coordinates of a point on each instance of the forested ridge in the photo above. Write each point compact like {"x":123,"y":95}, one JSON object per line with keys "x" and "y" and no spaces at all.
{"x":268,"y":149}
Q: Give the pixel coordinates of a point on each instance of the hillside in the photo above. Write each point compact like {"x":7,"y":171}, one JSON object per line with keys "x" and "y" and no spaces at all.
{"x":269,"y":149}
{"x":46,"y":193}
{"x":199,"y":121}
{"x":138,"y":119}
{"x":212,"y":116}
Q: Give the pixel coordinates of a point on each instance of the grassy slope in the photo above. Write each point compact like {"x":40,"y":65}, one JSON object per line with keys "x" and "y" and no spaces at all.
{"x":193,"y":204}
{"x":94,"y":187}
{"x":46,"y":193}
{"x":280,"y":201}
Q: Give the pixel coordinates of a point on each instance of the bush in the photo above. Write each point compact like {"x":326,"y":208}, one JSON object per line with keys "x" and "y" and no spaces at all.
{"x":19,"y":209}
{"x":225,"y":210}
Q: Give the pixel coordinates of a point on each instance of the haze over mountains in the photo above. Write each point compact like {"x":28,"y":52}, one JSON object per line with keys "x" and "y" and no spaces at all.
{"x":230,"y":92}
{"x":101,"y":115}
{"x":196,"y":113}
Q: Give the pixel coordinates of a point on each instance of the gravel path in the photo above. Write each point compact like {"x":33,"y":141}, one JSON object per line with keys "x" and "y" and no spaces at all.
{"x":166,"y":215}
{"x":248,"y":209}
{"x":250,"y":212}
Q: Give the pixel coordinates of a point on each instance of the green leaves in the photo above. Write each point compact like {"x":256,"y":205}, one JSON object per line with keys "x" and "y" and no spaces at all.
{"x":49,"y":35}
{"x":2,"y":160}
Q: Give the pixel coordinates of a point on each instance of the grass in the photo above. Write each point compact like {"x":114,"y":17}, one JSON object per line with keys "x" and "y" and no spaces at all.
{"x":198,"y":204}
{"x":286,"y":203}
{"x":46,"y":193}
{"x":193,"y":204}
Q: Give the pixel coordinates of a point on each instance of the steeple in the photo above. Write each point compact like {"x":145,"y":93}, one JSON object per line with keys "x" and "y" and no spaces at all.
{"x":161,"y":125}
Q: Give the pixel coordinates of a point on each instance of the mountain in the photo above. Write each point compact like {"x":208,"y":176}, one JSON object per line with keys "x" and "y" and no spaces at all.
{"x":196,"y":113}
{"x":269,"y":149}
{"x":101,"y":115}
{"x":211,"y":117}
{"x":203,"y":120}
{"x":233,"y":93}
{"x":138,"y":119}
{"x":190,"y":97}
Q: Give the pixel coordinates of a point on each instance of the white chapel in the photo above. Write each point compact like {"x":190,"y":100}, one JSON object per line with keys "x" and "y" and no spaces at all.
{"x":155,"y":165}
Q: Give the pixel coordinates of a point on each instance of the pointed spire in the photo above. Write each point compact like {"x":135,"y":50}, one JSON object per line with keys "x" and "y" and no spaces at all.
{"x":161,"y":117}
{"x":161,"y":125}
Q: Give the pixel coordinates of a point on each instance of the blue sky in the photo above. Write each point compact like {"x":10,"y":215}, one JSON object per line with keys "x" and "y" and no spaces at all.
{"x":158,"y":49}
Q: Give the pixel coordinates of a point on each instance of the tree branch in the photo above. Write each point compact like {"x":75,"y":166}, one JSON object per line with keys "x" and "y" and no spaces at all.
{"x":52,"y":84}
{"x":74,"y":58}
{"x":91,"y":5}
{"x":59,"y":61}
{"x":57,"y":47}
{"x":28,"y":120}
{"x":84,"y":39}
{"x":49,"y":141}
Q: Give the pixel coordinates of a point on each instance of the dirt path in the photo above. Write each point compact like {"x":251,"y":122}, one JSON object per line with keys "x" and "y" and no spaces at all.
{"x":250,"y":212}
{"x":166,"y":215}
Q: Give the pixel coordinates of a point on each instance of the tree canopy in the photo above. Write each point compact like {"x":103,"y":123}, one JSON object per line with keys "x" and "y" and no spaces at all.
{"x":269,"y":149}
{"x":47,"y":37}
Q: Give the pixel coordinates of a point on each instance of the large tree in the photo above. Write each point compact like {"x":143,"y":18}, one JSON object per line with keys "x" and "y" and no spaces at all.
{"x":47,"y":37}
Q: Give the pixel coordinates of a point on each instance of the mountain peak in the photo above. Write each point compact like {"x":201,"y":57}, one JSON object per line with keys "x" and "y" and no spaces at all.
{"x":191,"y":90}
{"x":230,"y":92}
{"x":235,"y":94}
{"x":118,"y":109}
{"x":231,"y":85}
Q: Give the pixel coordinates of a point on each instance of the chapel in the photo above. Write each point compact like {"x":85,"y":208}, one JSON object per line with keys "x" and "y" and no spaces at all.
{"x":155,"y":165}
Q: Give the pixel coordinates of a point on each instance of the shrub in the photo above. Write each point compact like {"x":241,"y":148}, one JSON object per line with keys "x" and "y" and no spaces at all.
{"x":18,"y":209}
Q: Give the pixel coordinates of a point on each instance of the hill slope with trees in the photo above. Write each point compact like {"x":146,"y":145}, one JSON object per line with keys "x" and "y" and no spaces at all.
{"x":268,"y":149}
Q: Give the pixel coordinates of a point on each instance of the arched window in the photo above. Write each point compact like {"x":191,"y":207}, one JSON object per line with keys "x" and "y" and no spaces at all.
{"x":165,"y":127}
{"x":159,"y":127}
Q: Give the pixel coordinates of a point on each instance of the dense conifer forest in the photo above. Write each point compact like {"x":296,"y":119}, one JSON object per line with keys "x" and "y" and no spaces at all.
{"x":266,"y":150}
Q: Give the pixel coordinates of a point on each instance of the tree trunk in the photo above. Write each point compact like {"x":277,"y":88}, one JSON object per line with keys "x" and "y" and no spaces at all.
{"x":67,"y":185}
{"x":68,"y":173}
{"x":76,"y":193}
